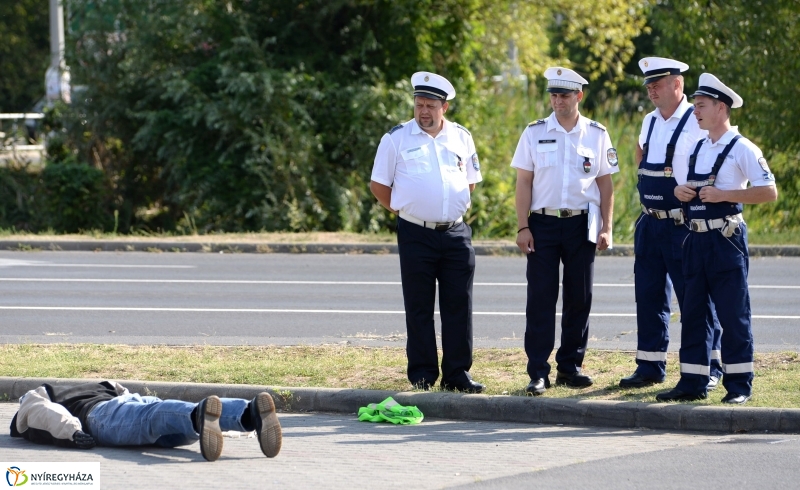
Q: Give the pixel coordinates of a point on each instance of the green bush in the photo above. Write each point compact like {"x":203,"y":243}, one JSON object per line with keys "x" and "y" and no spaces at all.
{"x":73,"y":197}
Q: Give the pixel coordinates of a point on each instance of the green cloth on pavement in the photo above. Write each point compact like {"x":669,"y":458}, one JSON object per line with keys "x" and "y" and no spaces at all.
{"x":390,"y":411}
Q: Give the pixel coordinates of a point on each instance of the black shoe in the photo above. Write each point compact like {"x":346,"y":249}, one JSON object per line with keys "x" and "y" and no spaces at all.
{"x":735,"y":399}
{"x":713,"y":381}
{"x":636,"y":380}
{"x":676,"y":395}
{"x":270,"y":436}
{"x":573,"y":380}
{"x":537,"y":386}
{"x":207,"y":423}
{"x":465,"y":385}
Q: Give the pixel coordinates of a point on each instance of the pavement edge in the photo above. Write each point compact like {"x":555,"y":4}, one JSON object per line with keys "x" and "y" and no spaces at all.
{"x":319,"y":248}
{"x":496,"y":408}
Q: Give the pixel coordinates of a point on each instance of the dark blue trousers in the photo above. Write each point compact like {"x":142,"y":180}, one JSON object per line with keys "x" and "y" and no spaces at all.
{"x":717,"y":266}
{"x":428,"y":256}
{"x":658,"y":269}
{"x":558,"y":240}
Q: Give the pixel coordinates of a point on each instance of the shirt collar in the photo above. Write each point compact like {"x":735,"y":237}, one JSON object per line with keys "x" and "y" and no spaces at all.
{"x":726,"y":138}
{"x":680,"y":111}
{"x":552,"y":123}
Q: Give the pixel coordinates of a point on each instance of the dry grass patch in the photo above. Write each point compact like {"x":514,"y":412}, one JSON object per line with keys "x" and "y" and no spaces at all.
{"x":777,"y":382}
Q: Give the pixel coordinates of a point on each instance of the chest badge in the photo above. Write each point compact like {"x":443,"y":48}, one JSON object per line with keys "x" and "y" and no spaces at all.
{"x":667,"y":172}
{"x":711,"y":179}
{"x":587,"y":165}
{"x":460,"y":164}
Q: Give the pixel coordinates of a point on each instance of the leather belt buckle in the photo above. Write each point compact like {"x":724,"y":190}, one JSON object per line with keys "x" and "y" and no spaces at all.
{"x":442,"y":226}
{"x":564,"y":213}
{"x":698,"y":226}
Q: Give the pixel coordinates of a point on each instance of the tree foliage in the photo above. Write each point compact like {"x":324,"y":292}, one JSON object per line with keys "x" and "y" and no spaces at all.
{"x":24,"y":53}
{"x":753,"y":46}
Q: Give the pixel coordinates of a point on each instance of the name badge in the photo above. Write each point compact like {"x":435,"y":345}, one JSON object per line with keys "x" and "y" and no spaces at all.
{"x":414,"y":153}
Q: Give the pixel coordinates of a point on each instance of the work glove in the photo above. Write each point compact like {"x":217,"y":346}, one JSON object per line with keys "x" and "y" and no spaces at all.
{"x":83,"y":440}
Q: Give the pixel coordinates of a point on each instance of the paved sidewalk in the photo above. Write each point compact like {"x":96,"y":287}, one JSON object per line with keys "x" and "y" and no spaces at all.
{"x":336,"y":451}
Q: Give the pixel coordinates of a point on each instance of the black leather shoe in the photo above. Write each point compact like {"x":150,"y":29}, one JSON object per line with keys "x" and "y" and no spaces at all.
{"x":573,"y":380}
{"x":537,"y":386}
{"x":713,"y":381}
{"x":735,"y":399}
{"x":676,"y":395}
{"x":270,"y":435}
{"x":207,"y":423}
{"x":465,"y":385}
{"x":636,"y":380}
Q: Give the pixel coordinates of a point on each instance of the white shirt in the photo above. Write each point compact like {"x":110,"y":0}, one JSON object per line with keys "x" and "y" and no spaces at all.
{"x":430,"y":176}
{"x":662,"y":133}
{"x":744,"y":163}
{"x":556,"y":158}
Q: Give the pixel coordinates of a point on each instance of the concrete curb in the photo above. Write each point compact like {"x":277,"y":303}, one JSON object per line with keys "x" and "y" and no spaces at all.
{"x":567,"y":411}
{"x":320,"y":248}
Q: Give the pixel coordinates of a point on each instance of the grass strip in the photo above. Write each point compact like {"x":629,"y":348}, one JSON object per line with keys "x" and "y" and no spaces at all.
{"x":777,"y":382}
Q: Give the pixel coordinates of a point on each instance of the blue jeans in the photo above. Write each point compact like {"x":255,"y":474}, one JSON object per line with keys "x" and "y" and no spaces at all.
{"x":135,"y":420}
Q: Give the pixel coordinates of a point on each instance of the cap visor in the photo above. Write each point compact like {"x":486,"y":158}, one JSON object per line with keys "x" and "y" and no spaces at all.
{"x":559,"y":90}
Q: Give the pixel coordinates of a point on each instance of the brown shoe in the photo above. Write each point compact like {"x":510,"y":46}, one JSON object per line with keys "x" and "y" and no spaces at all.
{"x":208,"y":414}
{"x":270,"y":436}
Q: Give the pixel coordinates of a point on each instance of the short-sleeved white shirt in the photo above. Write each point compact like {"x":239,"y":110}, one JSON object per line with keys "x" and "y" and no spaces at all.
{"x":744,"y":163}
{"x":429,"y":176}
{"x":556,"y":158}
{"x":662,"y":133}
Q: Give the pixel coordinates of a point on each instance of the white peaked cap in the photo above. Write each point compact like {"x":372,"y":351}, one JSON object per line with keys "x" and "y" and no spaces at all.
{"x":560,"y":79}
{"x":710,"y":86}
{"x":432,"y":86}
{"x":655,"y":68}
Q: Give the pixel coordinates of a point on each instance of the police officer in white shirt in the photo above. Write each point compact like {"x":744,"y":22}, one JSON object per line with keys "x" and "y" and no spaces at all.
{"x":715,"y":255}
{"x":564,"y":165}
{"x":667,"y":137}
{"x":424,"y":171}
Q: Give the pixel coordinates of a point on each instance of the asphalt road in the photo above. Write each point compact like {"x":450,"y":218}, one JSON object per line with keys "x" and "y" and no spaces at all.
{"x":261,"y":299}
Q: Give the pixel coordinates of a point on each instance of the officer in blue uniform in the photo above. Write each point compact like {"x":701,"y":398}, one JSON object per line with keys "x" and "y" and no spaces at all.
{"x":715,"y":254}
{"x":667,"y":137}
{"x":424,"y":171}
{"x":564,"y":165}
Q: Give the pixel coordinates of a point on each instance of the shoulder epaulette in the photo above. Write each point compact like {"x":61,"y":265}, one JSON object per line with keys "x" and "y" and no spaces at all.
{"x":597,"y":125}
{"x":538,"y":121}
{"x":395,"y":128}
{"x":463,"y":128}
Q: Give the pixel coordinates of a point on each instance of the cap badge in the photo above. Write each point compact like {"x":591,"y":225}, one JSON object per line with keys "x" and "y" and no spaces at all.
{"x":427,"y":78}
{"x":558,"y":72}
{"x":645,"y":64}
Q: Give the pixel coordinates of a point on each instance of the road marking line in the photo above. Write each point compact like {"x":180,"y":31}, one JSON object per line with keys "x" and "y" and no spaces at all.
{"x":287,"y":310}
{"x":110,"y":266}
{"x":342,"y":283}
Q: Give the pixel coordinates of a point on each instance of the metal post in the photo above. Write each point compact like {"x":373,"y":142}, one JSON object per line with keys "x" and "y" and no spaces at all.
{"x":56,"y":78}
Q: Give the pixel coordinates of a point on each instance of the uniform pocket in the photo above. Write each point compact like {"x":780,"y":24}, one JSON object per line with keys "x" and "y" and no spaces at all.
{"x":546,"y":154}
{"x":586,"y":159}
{"x":417,"y":160}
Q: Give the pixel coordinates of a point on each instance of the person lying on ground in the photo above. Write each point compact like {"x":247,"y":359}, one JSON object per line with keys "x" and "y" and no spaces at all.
{"x":107,"y":414}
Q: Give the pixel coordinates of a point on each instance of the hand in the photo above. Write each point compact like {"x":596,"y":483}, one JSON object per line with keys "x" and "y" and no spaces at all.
{"x":685,"y":193}
{"x":525,"y":241}
{"x":83,"y":440}
{"x":603,"y":240}
{"x":711,"y":194}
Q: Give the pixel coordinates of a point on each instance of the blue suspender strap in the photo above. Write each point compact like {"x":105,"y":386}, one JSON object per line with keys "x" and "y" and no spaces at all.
{"x":721,"y":157}
{"x":693,"y":158}
{"x":675,"y":135}
{"x":647,"y":141}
